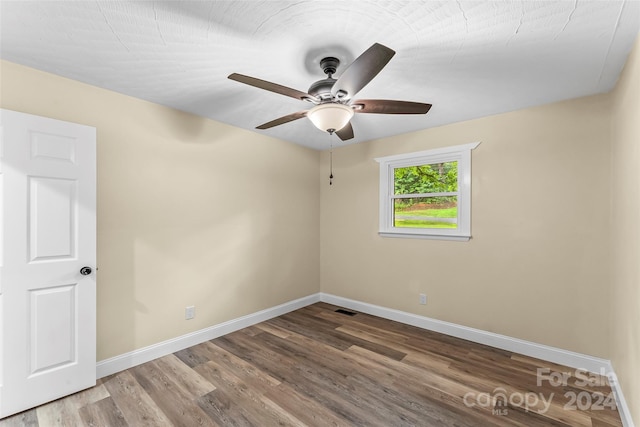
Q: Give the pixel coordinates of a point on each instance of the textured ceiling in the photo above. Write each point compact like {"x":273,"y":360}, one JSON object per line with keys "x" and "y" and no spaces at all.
{"x":468,"y":59}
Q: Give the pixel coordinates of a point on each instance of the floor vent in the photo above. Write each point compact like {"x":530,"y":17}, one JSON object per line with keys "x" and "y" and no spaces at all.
{"x":348,"y":313}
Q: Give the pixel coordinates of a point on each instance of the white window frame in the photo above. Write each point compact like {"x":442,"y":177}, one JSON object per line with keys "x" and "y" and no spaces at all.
{"x":458,"y":153}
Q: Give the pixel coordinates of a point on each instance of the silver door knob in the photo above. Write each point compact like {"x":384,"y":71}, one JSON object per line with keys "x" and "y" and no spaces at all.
{"x":85,"y":271}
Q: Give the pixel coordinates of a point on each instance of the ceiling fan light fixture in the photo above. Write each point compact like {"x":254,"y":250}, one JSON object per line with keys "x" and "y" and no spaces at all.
{"x":330,"y":117}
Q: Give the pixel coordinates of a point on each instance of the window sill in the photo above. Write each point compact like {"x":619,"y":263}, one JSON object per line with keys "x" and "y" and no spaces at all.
{"x":453,"y":238}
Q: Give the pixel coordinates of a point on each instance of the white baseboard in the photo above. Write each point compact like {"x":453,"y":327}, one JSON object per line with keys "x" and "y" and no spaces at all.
{"x":527,"y":348}
{"x":621,"y":403}
{"x":146,"y":354}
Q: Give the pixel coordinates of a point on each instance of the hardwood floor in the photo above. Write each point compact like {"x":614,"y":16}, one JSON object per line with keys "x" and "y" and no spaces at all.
{"x":318,"y":367}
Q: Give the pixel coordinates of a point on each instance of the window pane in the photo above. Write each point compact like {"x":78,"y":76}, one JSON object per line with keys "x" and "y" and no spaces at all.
{"x":426,"y":212}
{"x":433,"y":178}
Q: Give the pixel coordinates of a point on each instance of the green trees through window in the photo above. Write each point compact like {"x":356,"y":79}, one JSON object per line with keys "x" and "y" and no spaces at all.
{"x":423,"y":196}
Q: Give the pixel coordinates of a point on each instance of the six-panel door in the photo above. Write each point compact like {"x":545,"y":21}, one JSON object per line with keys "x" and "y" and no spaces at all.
{"x":47,"y":307}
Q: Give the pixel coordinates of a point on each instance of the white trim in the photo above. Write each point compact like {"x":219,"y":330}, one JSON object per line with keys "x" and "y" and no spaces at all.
{"x":460,"y":154}
{"x":621,"y":403}
{"x":527,"y":348}
{"x":424,"y":236}
{"x":432,"y":152}
{"x":146,"y":354}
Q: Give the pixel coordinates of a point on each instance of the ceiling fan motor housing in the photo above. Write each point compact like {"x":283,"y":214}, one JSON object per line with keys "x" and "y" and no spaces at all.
{"x":322,"y":88}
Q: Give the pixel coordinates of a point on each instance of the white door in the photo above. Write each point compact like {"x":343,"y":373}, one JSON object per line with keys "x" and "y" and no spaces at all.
{"x":48,"y":234}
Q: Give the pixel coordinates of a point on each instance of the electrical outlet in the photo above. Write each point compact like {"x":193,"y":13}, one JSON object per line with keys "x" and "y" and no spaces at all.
{"x":423,"y":299}
{"x":190,"y":312}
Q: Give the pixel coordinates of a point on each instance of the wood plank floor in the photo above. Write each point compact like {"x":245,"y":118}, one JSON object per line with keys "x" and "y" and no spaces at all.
{"x":319,"y":367}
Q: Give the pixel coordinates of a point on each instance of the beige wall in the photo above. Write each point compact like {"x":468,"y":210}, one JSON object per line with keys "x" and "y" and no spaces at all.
{"x":190,"y":211}
{"x":537,"y":265}
{"x":625,"y":214}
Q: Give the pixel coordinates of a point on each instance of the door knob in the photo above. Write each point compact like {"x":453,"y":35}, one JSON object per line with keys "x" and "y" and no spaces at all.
{"x":85,"y":271}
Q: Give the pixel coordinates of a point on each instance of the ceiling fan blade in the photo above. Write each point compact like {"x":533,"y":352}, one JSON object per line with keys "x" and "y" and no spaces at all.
{"x":387,"y":106}
{"x":362,"y":71}
{"x":346,"y":132}
{"x":282,"y":120}
{"x":272,"y":87}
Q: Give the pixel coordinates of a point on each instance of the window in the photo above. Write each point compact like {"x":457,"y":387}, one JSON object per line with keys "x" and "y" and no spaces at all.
{"x":427,"y":194}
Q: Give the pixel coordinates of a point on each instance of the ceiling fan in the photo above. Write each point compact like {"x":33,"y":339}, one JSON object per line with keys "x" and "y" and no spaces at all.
{"x":333,"y":98}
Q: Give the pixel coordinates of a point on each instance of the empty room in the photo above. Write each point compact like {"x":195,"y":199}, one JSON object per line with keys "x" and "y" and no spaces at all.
{"x":319,"y":213}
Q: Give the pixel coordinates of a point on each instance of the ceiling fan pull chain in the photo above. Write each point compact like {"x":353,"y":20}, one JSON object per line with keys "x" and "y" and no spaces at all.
{"x":330,"y":160}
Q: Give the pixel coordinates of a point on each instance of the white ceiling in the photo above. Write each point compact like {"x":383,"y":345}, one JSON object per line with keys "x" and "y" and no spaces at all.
{"x":467,"y":58}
